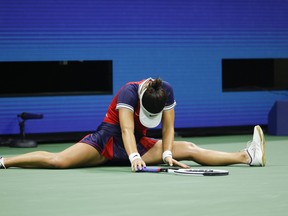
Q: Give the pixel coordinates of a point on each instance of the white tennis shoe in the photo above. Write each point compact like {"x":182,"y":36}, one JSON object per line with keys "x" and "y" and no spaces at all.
{"x":256,"y":148}
{"x":2,"y":163}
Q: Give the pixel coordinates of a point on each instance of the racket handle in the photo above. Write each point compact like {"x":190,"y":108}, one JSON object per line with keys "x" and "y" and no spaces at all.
{"x":150,"y":169}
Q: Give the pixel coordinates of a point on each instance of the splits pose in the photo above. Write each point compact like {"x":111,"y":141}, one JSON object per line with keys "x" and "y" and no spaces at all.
{"x":121,"y":137}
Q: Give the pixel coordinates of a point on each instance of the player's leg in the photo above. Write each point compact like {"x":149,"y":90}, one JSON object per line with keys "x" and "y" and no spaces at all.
{"x":77,"y":155}
{"x":190,"y":151}
{"x":154,"y":154}
{"x":254,"y":155}
{"x":183,"y":150}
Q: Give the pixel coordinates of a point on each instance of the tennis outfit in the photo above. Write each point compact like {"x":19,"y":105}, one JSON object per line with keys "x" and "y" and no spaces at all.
{"x":107,"y":138}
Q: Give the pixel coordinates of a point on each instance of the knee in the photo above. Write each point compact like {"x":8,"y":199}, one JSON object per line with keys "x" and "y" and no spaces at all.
{"x":191,"y":148}
{"x":57,"y":162}
{"x":190,"y":145}
{"x":185,"y":150}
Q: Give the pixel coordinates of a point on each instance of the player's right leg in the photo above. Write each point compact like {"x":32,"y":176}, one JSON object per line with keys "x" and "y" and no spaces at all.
{"x":77,"y":155}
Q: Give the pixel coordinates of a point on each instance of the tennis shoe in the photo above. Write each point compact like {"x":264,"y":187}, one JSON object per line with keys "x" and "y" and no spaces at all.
{"x":256,"y":148}
{"x":2,"y":163}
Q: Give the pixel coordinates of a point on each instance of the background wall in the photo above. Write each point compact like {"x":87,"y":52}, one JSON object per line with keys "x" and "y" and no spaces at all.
{"x":181,"y":41}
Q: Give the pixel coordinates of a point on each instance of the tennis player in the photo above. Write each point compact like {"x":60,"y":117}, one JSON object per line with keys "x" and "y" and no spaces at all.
{"x":121,"y":137}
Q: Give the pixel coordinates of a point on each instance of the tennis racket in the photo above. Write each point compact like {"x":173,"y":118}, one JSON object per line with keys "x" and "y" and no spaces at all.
{"x":187,"y":172}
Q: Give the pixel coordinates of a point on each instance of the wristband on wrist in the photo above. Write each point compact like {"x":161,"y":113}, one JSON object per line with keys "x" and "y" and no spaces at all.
{"x":134,"y":156}
{"x":165,"y":154}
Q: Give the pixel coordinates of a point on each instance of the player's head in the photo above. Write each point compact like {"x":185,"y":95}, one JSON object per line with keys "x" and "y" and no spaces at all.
{"x":152,"y":100}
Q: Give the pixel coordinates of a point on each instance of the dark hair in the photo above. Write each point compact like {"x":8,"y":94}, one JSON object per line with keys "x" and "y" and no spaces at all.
{"x":155,"y":97}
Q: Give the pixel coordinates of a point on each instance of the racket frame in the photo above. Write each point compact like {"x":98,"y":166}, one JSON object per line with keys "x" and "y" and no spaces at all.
{"x":186,"y":172}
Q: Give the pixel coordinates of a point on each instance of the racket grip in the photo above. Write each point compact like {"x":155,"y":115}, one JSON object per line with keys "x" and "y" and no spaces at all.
{"x":149,"y":169}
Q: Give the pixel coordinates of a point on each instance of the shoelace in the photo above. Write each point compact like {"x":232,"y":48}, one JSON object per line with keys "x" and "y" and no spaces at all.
{"x":249,"y":143}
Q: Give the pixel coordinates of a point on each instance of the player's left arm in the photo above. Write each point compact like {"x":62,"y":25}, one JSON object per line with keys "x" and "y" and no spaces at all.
{"x":168,"y":134}
{"x":168,"y":119}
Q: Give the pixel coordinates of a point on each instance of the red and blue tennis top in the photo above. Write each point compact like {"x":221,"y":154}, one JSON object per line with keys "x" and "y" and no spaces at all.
{"x":128,"y":97}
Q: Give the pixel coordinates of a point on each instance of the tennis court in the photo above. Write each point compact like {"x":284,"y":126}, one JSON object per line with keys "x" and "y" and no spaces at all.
{"x":117,"y":191}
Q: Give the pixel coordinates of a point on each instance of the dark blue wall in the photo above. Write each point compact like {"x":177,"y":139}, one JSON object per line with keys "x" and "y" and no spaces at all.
{"x":181,"y":41}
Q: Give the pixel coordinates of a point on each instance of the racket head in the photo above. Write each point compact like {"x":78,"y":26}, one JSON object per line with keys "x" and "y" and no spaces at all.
{"x":199,"y":172}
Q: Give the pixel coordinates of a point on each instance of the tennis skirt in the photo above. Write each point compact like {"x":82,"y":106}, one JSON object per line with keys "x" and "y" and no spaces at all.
{"x":107,"y":140}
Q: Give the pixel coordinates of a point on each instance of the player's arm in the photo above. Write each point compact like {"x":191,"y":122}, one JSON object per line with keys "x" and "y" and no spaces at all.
{"x":126,"y":118}
{"x":168,"y":119}
{"x":168,"y":135}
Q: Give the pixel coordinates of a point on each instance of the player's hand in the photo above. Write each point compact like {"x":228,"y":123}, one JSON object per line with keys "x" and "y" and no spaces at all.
{"x":182,"y":165}
{"x":137,"y":164}
{"x":168,"y":160}
{"x":172,"y":162}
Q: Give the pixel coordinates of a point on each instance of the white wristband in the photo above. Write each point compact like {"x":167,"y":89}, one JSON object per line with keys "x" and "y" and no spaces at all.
{"x":165,"y":154}
{"x":134,"y":156}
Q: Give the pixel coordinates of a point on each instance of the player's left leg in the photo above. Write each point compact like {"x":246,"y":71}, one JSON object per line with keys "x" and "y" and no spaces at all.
{"x":154,"y":155}
{"x":183,"y":150}
{"x":190,"y":151}
{"x":254,"y":155}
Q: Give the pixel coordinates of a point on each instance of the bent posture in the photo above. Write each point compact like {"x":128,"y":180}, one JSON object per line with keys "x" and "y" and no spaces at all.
{"x":121,"y":137}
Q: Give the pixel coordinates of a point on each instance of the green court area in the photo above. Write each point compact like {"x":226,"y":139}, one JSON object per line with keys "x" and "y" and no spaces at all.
{"x":118,"y":191}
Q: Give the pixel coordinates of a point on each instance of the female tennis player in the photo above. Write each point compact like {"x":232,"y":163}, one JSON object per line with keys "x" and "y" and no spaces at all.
{"x":121,"y":137}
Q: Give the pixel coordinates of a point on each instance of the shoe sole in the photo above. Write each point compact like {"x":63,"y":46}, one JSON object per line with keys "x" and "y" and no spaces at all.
{"x":263,"y":145}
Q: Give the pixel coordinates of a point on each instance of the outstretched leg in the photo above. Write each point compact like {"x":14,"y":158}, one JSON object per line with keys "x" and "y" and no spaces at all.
{"x":190,"y":151}
{"x":183,"y":150}
{"x":253,"y":155}
{"x":77,"y":155}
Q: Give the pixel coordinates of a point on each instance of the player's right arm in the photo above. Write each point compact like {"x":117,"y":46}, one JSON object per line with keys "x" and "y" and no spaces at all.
{"x":126,"y":118}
